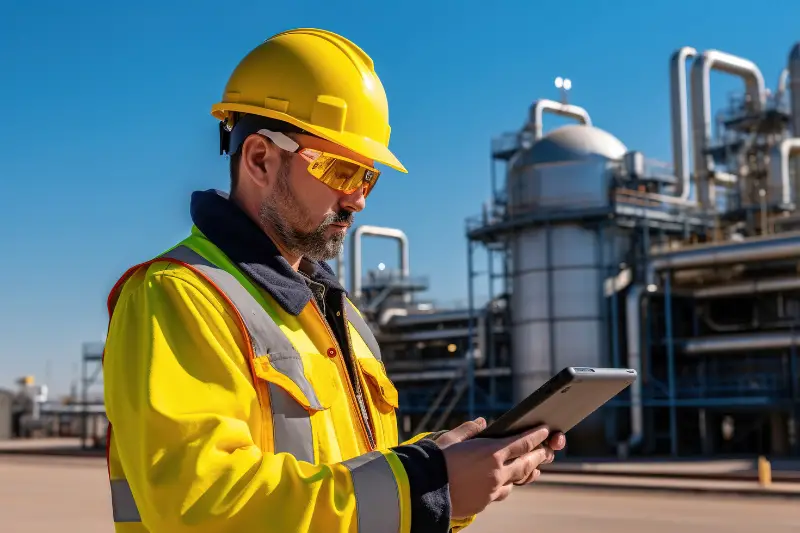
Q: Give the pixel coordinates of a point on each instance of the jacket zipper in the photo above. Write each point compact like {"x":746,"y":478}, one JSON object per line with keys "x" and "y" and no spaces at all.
{"x":352,"y":393}
{"x":363,"y":408}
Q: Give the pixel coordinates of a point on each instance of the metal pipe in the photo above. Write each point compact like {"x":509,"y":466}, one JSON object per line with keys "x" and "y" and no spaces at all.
{"x":734,"y":343}
{"x":701,"y":108}
{"x":355,"y":255}
{"x":340,"y":275}
{"x":783,"y":83}
{"x":778,"y":173}
{"x":782,"y":246}
{"x":757,"y":286}
{"x":673,"y":414}
{"x":389,"y":314}
{"x":557,"y":108}
{"x":680,"y":120}
{"x":633,"y":312}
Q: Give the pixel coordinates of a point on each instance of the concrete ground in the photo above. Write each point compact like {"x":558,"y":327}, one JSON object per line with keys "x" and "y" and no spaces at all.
{"x":45,"y":494}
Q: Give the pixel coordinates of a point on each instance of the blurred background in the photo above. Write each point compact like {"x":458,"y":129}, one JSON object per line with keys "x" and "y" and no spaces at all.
{"x":590,"y":184}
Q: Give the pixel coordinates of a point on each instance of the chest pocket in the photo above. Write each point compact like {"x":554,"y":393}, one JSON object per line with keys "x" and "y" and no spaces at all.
{"x":298,"y":386}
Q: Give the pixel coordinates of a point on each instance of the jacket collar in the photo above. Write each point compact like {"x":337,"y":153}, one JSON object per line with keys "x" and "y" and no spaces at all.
{"x":246,"y":245}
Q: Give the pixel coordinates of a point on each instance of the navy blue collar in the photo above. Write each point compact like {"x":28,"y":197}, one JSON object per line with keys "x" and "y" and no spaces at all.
{"x":245,"y":243}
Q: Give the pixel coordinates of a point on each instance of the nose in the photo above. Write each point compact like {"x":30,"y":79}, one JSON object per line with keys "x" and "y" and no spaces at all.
{"x":355,"y":201}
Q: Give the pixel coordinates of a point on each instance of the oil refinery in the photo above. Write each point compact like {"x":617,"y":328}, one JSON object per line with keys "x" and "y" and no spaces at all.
{"x":606,"y":258}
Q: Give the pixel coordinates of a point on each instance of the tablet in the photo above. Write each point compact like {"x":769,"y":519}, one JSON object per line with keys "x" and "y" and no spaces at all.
{"x":563,"y":401}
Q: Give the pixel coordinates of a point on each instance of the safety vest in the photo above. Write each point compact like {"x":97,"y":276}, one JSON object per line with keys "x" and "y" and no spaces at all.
{"x":308,"y":406}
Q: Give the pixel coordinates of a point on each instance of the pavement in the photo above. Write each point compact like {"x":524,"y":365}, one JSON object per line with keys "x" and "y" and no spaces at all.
{"x":720,"y":476}
{"x":41,"y":494}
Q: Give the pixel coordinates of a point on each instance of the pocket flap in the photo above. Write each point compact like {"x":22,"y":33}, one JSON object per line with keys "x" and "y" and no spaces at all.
{"x":310,"y":379}
{"x":376,"y":373}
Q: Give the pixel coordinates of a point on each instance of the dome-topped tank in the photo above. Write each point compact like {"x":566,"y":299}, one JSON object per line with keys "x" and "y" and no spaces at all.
{"x":568,"y":167}
{"x":559,"y":268}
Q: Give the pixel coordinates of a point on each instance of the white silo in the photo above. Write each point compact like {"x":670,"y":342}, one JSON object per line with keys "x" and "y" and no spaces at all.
{"x":561,"y":256}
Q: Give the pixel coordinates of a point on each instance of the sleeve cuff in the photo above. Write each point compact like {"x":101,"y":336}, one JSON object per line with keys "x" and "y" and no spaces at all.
{"x":426,"y":469}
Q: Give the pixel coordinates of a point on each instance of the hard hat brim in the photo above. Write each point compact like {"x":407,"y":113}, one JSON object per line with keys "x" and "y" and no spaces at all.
{"x":363,"y":146}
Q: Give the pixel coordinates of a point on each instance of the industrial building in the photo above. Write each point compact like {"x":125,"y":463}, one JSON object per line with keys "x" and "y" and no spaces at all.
{"x":689,"y":275}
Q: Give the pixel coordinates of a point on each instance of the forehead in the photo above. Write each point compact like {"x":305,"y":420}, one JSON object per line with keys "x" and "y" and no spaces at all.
{"x":308,"y":141}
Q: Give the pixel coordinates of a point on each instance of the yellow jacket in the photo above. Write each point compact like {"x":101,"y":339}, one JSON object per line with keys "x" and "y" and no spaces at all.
{"x":228,"y":413}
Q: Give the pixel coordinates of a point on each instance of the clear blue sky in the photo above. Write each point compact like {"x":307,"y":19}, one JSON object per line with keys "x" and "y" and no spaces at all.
{"x":107,"y":127}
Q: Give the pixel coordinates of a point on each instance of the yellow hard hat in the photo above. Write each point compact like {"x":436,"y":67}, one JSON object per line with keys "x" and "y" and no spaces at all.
{"x":318,"y":81}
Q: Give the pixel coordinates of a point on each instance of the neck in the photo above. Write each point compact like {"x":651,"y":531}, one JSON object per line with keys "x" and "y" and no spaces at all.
{"x":252,"y":211}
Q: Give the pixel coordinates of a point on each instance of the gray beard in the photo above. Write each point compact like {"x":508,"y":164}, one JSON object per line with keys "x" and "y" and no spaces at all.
{"x":283,"y":213}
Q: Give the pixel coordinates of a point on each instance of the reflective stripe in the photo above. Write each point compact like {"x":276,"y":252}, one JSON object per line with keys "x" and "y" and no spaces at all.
{"x":377,"y":494}
{"x":122,"y":504}
{"x":362,"y":328}
{"x":291,"y":424}
{"x":265,"y":335}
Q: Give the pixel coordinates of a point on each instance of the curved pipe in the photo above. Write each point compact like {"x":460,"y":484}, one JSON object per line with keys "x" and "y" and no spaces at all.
{"x":680,"y":120}
{"x":633,"y":312}
{"x":701,"y":107}
{"x":778,"y":172}
{"x":389,"y":314}
{"x":355,"y":255}
{"x":783,"y":246}
{"x":557,"y":108}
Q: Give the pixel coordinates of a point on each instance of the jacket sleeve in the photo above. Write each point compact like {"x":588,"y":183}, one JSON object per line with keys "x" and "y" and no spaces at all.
{"x":437,"y":489}
{"x":181,"y":402}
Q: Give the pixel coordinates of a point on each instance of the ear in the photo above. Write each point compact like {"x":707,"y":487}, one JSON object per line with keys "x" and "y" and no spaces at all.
{"x":260,"y":161}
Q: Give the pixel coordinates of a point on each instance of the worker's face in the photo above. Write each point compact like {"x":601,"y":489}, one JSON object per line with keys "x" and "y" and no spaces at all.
{"x":308,"y":216}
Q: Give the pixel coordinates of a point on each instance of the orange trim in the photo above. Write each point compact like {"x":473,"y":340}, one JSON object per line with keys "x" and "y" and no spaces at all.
{"x":112,"y":301}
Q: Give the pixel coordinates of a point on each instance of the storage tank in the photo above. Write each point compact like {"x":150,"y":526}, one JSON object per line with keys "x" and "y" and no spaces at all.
{"x":6,"y":414}
{"x":558,"y":268}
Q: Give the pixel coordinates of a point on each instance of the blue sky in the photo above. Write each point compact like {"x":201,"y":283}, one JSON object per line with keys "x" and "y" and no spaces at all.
{"x":107,"y":127}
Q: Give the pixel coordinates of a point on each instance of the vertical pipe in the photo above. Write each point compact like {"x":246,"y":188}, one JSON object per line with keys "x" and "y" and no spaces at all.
{"x":673,"y":425}
{"x":470,"y":335}
{"x":615,"y":359}
{"x":490,"y":355}
{"x":680,"y":120}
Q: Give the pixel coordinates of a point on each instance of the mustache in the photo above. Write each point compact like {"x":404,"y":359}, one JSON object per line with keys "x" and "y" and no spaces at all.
{"x":343,"y":216}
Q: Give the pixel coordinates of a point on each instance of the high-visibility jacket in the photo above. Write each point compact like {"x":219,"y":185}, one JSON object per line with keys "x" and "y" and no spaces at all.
{"x":229,"y":414}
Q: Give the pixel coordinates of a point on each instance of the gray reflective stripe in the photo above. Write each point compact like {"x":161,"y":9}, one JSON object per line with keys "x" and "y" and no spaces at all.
{"x":122,"y":504}
{"x":362,"y":328}
{"x":291,"y":422}
{"x":377,"y":494}
{"x":265,"y":335}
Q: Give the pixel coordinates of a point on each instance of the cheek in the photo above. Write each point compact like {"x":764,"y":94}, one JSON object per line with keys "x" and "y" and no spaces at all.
{"x":316,"y":197}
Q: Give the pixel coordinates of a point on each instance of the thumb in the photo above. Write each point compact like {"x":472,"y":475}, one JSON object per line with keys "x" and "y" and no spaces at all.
{"x":465,"y":431}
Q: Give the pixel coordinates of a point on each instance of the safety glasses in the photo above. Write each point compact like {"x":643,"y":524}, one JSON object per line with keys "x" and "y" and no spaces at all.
{"x":335,"y":171}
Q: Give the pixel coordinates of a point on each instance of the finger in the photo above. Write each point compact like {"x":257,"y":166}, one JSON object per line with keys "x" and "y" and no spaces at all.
{"x":519,"y":445}
{"x":502,"y":493}
{"x":523,"y":467}
{"x":549,"y":456}
{"x":530,"y":479}
{"x":467,"y":430}
{"x":557,"y":441}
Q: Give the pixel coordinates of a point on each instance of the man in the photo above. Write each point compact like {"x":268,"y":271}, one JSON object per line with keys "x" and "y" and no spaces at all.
{"x":244,"y":390}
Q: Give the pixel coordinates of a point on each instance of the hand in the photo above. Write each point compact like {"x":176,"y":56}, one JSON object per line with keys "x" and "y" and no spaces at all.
{"x":482,"y":471}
